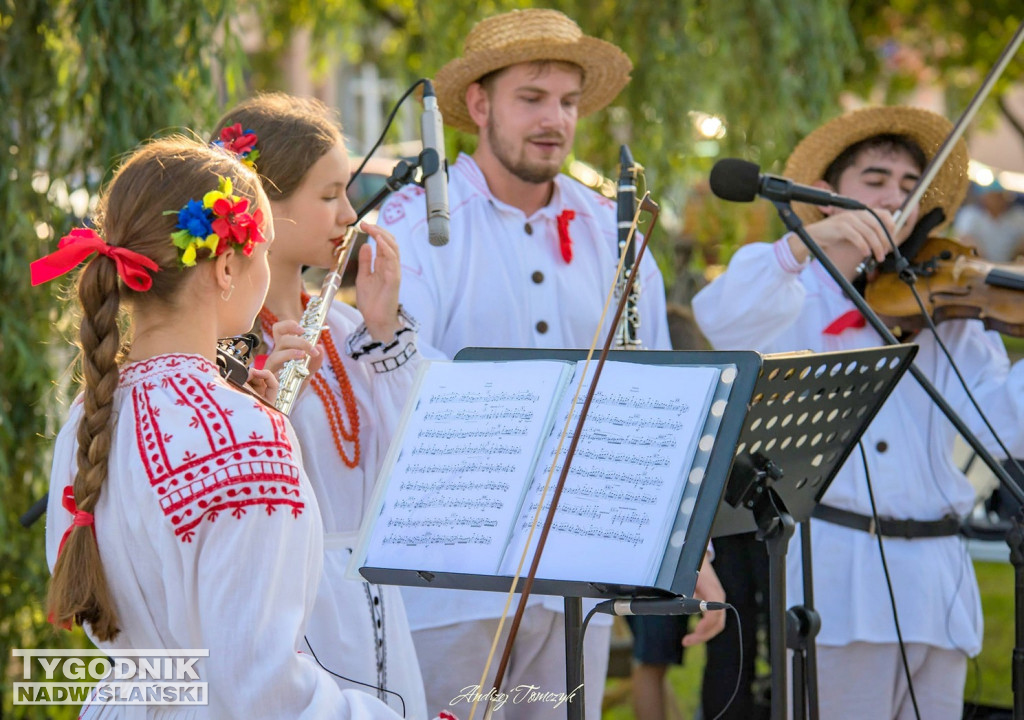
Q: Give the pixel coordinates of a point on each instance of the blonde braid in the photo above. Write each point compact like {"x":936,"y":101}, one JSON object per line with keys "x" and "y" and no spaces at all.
{"x":79,"y":590}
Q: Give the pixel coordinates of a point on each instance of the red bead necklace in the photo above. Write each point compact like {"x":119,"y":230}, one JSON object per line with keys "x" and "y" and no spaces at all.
{"x":326,"y":395}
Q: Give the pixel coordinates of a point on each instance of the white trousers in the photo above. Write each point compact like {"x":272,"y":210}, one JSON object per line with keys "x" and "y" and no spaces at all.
{"x":867,"y":680}
{"x":452,"y":659}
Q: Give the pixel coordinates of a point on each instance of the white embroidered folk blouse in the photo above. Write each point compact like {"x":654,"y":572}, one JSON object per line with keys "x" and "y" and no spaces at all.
{"x":210,"y":538}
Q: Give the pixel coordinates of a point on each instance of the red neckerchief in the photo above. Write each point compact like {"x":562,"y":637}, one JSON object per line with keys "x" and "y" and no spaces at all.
{"x":564,"y":241}
{"x":849,"y":319}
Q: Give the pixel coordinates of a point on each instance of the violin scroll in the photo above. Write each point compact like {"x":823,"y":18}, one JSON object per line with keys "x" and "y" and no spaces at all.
{"x":234,"y":356}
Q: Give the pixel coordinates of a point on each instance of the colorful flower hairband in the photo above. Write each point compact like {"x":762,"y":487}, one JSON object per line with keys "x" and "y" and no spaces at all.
{"x":221,"y":218}
{"x":241,"y":142}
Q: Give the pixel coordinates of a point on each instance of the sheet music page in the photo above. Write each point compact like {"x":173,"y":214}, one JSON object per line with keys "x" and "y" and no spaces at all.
{"x":627,"y":477}
{"x":467,"y":449}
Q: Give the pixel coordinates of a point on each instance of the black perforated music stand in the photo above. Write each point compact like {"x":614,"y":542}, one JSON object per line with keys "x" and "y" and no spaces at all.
{"x":806,"y":415}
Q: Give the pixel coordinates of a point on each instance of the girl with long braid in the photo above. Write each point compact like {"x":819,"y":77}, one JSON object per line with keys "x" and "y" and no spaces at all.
{"x":366,"y":362}
{"x":180,"y":516}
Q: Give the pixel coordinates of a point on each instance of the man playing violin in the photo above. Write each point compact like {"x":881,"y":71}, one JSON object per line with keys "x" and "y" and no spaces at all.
{"x":773,"y":298}
{"x":531,"y":255}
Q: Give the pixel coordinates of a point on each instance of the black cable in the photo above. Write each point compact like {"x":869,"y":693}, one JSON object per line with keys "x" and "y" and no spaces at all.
{"x":739,"y":637}
{"x":739,"y":672}
{"x":942,"y":346}
{"x":387,"y":126}
{"x":356,"y":682}
{"x":583,"y":635}
{"x":888,"y":582}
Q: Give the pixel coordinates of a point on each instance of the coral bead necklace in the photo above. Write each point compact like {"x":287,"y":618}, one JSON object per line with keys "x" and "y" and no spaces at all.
{"x":327,"y":396}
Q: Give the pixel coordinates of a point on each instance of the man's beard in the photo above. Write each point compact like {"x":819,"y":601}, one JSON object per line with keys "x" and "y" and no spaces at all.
{"x":525,"y":171}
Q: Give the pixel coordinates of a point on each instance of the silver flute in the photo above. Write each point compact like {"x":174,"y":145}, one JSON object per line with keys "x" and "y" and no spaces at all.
{"x":313,"y":320}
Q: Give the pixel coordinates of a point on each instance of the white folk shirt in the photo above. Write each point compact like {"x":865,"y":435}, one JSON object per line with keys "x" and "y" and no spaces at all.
{"x":357,"y":630}
{"x":502,"y":274}
{"x":767,"y":302}
{"x":501,"y":281}
{"x":210,"y":538}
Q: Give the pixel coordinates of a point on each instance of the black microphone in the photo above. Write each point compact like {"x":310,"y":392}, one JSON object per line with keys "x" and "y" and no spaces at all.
{"x":741,"y":181}
{"x":659,"y":606}
{"x":435,"y":170}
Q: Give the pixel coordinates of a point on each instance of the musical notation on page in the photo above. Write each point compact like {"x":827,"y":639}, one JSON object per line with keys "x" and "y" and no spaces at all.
{"x":467,"y":445}
{"x":478,"y":442}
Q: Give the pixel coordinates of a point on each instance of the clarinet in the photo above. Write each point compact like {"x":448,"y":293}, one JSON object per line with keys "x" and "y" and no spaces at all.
{"x":313,"y":320}
{"x":627,"y":333}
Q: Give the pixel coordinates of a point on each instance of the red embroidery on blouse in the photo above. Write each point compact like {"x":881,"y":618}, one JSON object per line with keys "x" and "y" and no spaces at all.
{"x":392,"y":212}
{"x":217,"y":471}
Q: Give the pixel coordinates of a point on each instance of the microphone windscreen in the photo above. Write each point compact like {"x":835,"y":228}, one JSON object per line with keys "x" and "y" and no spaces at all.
{"x":735,"y":180}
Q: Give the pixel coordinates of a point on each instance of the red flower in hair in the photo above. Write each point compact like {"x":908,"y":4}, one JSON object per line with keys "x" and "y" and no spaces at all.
{"x":237,"y":140}
{"x":230,"y":218}
{"x":251,"y":225}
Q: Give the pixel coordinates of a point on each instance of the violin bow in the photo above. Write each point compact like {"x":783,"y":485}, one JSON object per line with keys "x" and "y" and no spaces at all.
{"x":646,"y":204}
{"x":901,"y":216}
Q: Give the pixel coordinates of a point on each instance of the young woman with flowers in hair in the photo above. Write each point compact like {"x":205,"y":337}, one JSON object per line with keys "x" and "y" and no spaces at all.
{"x":179,"y":515}
{"x":366,"y":361}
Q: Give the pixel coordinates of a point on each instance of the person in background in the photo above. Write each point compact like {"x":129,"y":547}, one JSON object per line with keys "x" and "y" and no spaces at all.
{"x":994,"y":224}
{"x":774,"y":298}
{"x":531,"y":256}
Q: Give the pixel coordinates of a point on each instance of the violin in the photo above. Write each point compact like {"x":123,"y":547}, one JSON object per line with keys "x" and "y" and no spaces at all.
{"x":954,"y":283}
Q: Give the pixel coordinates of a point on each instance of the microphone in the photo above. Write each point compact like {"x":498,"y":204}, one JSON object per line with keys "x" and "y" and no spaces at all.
{"x":435,"y":171}
{"x":741,"y":181}
{"x":659,"y":606}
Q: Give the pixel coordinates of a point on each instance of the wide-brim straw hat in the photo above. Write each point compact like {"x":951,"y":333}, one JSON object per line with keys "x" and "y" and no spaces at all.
{"x":526,"y":36}
{"x":812,"y":157}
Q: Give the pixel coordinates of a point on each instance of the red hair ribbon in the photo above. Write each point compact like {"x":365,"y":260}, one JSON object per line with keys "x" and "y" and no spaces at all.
{"x":75,"y":247}
{"x":79,"y":518}
{"x":564,"y":241}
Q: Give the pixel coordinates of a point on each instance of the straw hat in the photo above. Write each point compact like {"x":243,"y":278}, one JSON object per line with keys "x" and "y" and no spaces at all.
{"x":811,"y":158}
{"x":524,"y":36}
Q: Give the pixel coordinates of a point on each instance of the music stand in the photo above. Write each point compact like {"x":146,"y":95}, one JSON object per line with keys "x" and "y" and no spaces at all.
{"x":693,"y":519}
{"x":807,"y":413}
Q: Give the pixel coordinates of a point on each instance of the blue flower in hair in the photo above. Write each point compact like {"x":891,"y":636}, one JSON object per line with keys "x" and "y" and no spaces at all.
{"x":195,"y":218}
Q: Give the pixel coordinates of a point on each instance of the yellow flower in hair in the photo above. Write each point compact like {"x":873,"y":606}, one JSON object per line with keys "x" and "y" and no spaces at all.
{"x":220,"y":220}
{"x":223,"y":192}
{"x":188,"y":258}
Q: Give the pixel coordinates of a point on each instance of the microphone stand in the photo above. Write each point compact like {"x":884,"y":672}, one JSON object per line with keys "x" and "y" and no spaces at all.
{"x":1015,"y":536}
{"x":403,"y":174}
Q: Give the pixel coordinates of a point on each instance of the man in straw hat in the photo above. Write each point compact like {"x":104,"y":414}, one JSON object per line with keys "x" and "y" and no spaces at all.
{"x":773,"y":298}
{"x":530,"y":259}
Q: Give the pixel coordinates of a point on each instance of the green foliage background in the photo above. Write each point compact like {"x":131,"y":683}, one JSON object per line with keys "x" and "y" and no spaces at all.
{"x":83,"y":81}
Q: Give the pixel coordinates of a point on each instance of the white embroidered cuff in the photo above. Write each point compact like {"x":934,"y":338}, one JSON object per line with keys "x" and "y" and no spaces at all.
{"x":784,"y":255}
{"x":384,"y":357}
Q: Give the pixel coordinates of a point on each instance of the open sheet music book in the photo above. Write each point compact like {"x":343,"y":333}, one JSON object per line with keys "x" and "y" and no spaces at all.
{"x":462,"y":480}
